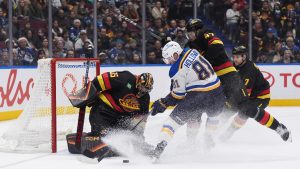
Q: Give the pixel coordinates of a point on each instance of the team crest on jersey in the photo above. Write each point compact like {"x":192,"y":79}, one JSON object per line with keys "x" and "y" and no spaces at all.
{"x":130,"y":103}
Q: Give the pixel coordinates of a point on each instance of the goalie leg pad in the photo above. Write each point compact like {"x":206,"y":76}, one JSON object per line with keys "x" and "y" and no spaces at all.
{"x":87,"y":142}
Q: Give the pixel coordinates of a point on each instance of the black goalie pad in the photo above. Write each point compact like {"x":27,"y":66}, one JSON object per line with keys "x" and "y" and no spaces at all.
{"x":83,"y":97}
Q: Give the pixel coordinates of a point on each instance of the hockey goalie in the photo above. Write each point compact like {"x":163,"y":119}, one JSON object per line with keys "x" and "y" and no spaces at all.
{"x":118,"y":101}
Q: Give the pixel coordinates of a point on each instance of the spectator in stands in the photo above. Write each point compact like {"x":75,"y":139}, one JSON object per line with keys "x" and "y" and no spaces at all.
{"x":136,"y":58}
{"x":70,"y":53}
{"x":131,"y":12}
{"x":110,"y":26}
{"x":45,"y":47}
{"x":180,"y":38}
{"x":41,"y":54}
{"x":171,"y":30}
{"x":290,"y":45}
{"x":157,"y":10}
{"x":115,"y":51}
{"x":30,"y":38}
{"x":269,"y":40}
{"x":59,"y":51}
{"x":120,"y":58}
{"x":38,"y":9}
{"x":3,"y":34}
{"x":182,"y":24}
{"x":69,"y":45}
{"x":26,"y":54}
{"x":287,"y":56}
{"x":263,"y":58}
{"x":104,"y":59}
{"x":61,"y":18}
{"x":83,"y":38}
{"x":157,"y":24}
{"x":75,"y":30}
{"x":157,"y":49}
{"x":16,"y":61}
{"x":56,"y":29}
{"x":277,"y":57}
{"x":164,"y":17}
{"x":258,"y":33}
{"x":4,"y":59}
{"x":3,"y":20}
{"x":22,"y":10}
{"x":39,"y":38}
{"x":103,"y":40}
{"x":232,"y":19}
{"x":297,"y":57}
{"x":152,"y":58}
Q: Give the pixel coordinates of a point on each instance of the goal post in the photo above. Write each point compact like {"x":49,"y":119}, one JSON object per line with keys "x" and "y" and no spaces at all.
{"x":49,"y":116}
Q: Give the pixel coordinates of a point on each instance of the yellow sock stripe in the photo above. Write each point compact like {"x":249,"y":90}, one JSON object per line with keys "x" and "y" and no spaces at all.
{"x":101,"y":82}
{"x":168,"y":131}
{"x":270,"y":121}
{"x":267,"y":96}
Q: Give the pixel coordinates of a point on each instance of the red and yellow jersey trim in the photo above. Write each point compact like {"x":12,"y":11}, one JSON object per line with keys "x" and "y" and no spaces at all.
{"x":104,"y":81}
{"x":214,"y":41}
{"x":265,"y":94}
{"x":108,"y":100}
{"x":225,"y":68}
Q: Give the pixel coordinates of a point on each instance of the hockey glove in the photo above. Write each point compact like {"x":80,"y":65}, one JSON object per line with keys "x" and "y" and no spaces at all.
{"x":158,"y":107}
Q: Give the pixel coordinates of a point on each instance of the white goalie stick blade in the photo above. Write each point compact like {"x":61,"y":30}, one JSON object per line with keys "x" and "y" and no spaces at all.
{"x":88,"y":160}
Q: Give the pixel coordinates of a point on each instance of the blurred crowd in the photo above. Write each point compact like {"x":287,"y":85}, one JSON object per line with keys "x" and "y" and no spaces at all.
{"x":119,"y":42}
{"x":275,"y":29}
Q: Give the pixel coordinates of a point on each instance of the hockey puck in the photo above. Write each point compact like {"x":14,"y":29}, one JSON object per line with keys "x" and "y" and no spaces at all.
{"x":125,"y":161}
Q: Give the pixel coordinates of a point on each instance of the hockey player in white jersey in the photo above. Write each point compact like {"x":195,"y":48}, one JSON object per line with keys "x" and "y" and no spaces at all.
{"x":195,"y":89}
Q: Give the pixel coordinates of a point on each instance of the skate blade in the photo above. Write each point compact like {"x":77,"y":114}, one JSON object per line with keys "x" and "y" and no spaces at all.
{"x":290,"y":137}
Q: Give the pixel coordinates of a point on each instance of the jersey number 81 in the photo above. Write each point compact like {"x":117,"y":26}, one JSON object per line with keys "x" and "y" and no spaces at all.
{"x":203,"y":69}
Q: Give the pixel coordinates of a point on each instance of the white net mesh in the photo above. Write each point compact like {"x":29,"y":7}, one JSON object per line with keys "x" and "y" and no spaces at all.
{"x":31,"y":132}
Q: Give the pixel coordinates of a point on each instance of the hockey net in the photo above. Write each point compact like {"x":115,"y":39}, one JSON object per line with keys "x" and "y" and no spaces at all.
{"x":49,"y":116}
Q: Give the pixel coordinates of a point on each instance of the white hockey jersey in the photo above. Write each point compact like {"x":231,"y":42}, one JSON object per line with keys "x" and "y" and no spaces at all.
{"x":192,"y":72}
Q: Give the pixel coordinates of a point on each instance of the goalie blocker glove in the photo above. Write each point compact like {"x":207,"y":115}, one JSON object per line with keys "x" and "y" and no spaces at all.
{"x":83,"y":97}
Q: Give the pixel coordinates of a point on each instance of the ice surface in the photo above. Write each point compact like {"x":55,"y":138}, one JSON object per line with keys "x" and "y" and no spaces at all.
{"x":253,"y":147}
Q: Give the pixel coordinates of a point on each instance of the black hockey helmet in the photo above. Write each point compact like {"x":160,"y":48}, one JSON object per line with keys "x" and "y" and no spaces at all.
{"x":238,"y":50}
{"x":144,"y":83}
{"x":194,"y":25}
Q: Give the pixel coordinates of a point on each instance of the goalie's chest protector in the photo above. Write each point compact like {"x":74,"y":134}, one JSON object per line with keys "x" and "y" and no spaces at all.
{"x":119,"y":91}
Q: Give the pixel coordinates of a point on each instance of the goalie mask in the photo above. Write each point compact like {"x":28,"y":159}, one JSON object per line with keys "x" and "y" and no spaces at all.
{"x":144,"y":84}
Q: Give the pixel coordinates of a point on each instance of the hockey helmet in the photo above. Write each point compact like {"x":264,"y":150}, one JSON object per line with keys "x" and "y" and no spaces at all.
{"x":168,"y":51}
{"x":144,"y":83}
{"x":239,"y":50}
{"x":194,"y":25}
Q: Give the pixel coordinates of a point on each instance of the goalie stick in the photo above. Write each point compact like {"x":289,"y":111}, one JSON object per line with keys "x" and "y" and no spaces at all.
{"x":81,"y":114}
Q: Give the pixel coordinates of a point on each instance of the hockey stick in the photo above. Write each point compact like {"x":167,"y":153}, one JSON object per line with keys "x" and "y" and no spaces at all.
{"x":81,"y":114}
{"x":118,"y":14}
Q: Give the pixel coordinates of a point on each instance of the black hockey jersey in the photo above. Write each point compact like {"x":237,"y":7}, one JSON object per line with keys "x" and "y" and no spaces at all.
{"x":212,"y":48}
{"x":257,"y":86}
{"x":118,"y":91}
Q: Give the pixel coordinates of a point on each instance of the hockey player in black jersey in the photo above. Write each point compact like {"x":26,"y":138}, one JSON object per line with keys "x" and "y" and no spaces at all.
{"x":258,"y":90}
{"x":212,"y":48}
{"x":121,"y":102}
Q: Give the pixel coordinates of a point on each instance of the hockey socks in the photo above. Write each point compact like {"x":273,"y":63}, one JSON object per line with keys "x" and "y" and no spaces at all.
{"x":236,"y":124}
{"x":267,"y":120}
{"x":166,"y":134}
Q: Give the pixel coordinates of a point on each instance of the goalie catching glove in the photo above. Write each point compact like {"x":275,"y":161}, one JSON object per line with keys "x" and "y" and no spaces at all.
{"x":83,"y":97}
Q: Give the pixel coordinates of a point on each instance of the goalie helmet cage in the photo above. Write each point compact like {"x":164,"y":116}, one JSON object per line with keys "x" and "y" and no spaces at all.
{"x":48,"y":113}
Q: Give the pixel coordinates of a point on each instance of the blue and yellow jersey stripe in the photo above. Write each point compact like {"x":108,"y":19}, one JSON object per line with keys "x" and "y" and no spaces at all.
{"x":206,"y":87}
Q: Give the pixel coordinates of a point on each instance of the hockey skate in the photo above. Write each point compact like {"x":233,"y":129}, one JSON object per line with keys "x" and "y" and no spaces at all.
{"x":155,"y":154}
{"x":284,"y":133}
